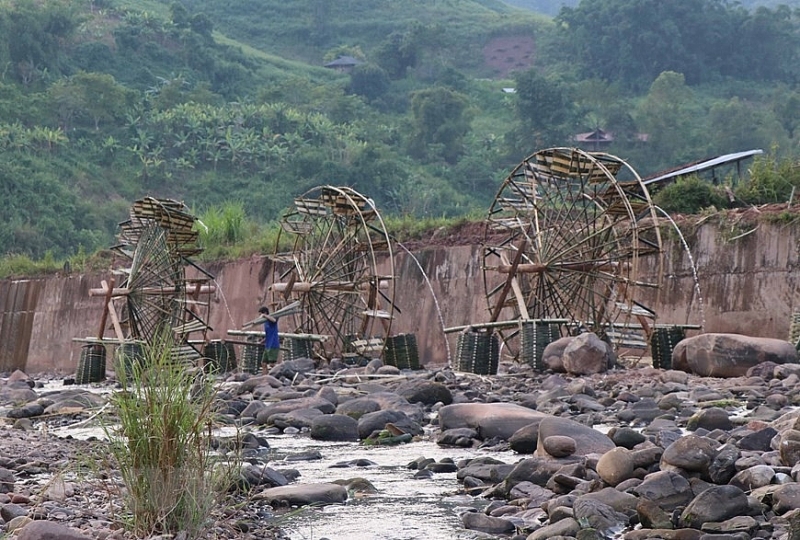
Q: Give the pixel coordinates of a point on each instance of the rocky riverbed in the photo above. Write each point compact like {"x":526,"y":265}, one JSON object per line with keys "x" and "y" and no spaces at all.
{"x":631,"y":452}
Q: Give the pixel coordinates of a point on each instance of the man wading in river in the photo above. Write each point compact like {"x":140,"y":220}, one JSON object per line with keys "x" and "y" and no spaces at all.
{"x":272,"y":342}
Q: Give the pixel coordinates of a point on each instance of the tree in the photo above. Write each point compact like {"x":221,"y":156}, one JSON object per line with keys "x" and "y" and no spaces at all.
{"x":441,"y":118}
{"x":369,"y":81}
{"x":668,"y":115}
{"x":737,"y":125}
{"x":396,"y":54}
{"x":545,"y":112}
{"x":95,"y":96}
{"x":786,"y":105}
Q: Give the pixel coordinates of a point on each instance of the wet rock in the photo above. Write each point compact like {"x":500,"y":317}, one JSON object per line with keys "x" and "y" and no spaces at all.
{"x":587,"y":440}
{"x":7,"y":480}
{"x":626,"y":437}
{"x":29,"y":410}
{"x":485,"y":469}
{"x":252,"y":475}
{"x":289,"y":405}
{"x":443,"y":466}
{"x":304,"y":494}
{"x":667,"y":489}
{"x":48,"y":530}
{"x":652,"y":516}
{"x":758,"y":441}
{"x":289,"y":369}
{"x":624,"y":503}
{"x":559,"y":446}
{"x":358,"y":407}
{"x":536,"y":495}
{"x":717,"y":503}
{"x":615,"y":466}
{"x":753,"y":477}
{"x":477,"y":521}
{"x":729,"y":355}
{"x":599,"y":516}
{"x":10,"y":511}
{"x":723,"y":466}
{"x":16,"y":392}
{"x":786,"y":498}
{"x":710,"y":419}
{"x":376,"y":421}
{"x":525,"y":439}
{"x":553,"y":354}
{"x":461,"y":437}
{"x":691,"y":453}
{"x":664,"y":534}
{"x":565,"y":527}
{"x":300,"y":418}
{"x":334,"y":427}
{"x":425,"y":392}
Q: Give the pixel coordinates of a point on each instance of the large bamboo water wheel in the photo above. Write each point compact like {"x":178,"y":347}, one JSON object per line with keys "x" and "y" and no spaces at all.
{"x":341,"y":270}
{"x":156,"y":300}
{"x":564,"y":239}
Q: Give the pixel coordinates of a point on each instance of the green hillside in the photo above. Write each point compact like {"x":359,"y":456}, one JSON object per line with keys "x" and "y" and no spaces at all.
{"x":228,"y":106}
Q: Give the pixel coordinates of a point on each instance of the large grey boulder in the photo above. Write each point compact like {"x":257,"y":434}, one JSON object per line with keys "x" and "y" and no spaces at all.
{"x":488,"y":419}
{"x":729,"y":355}
{"x":587,"y":354}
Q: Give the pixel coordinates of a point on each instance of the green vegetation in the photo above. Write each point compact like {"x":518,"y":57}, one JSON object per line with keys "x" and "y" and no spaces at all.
{"x":162,"y":445}
{"x":690,"y":195}
{"x":105,"y":101}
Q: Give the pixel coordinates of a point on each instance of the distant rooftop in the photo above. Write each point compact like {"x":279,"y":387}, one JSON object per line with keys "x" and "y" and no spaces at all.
{"x":343,"y":62}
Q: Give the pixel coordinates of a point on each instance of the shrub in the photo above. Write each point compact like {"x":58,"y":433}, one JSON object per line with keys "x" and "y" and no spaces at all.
{"x":689,"y":195}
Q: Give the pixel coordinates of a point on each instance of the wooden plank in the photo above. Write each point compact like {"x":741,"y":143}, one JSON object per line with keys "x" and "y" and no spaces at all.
{"x":112,"y":312}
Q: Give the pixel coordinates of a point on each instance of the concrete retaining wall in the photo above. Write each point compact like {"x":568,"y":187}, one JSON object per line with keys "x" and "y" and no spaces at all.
{"x":747,"y":285}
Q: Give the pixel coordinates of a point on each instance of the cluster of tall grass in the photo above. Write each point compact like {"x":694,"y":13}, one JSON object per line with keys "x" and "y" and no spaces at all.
{"x":161,"y":443}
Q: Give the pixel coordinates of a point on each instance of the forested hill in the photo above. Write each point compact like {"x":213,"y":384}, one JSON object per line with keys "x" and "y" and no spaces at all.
{"x":226,"y":104}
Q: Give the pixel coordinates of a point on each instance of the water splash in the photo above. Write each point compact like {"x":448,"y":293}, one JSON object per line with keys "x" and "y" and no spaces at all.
{"x":224,"y":301}
{"x":430,"y":288}
{"x":694,"y":270}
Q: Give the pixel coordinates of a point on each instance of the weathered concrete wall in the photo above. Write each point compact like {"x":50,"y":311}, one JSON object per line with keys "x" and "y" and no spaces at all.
{"x":747,"y":286}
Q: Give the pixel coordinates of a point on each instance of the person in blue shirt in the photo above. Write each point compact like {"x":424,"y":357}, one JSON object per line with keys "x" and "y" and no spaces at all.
{"x":272,"y":342}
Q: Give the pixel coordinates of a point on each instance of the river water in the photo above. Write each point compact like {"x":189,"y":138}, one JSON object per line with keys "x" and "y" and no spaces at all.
{"x":404,"y":507}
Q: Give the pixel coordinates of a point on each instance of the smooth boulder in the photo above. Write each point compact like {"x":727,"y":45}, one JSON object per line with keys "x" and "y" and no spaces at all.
{"x":490,"y":420}
{"x":729,"y":355}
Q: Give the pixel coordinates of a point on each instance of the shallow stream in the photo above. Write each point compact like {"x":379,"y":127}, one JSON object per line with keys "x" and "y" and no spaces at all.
{"x":404,"y":507}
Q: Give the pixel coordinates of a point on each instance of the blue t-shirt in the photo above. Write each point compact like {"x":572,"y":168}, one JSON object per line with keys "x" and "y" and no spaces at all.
{"x":271,"y":340}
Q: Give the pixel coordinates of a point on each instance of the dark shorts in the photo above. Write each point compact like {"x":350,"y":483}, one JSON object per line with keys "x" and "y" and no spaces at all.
{"x":270,"y":356}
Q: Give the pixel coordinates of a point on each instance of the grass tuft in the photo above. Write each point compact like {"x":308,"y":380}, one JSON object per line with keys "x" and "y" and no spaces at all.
{"x":162,"y":444}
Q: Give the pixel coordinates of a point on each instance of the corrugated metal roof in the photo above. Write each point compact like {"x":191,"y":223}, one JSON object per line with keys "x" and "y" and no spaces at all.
{"x":701,"y":166}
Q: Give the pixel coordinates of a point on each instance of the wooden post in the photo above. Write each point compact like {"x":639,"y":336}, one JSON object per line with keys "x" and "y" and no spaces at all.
{"x":512,"y":275}
{"x":109,"y":289}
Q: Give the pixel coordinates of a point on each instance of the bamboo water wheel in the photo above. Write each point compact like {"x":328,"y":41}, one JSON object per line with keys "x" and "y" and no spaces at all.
{"x":341,"y":270}
{"x":156,"y":299}
{"x":564,"y":240}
